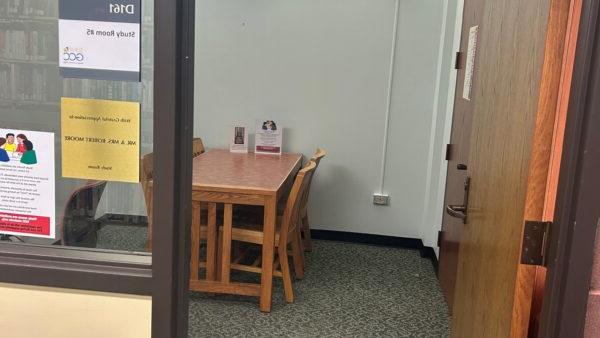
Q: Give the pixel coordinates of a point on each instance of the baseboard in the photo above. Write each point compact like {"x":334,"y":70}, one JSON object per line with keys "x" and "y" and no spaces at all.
{"x":398,"y":242}
{"x":429,"y":253}
{"x":355,"y":237}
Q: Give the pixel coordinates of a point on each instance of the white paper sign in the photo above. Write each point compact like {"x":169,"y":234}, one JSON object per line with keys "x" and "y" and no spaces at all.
{"x":27,"y":186}
{"x":100,"y":39}
{"x":470,"y":67}
{"x":269,"y":137}
{"x":239,"y":139}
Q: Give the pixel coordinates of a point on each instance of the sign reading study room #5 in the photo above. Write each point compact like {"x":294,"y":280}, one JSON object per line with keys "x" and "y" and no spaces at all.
{"x":100,"y":39}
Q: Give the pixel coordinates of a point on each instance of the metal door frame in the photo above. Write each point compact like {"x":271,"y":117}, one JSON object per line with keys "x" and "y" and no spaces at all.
{"x":571,"y":250}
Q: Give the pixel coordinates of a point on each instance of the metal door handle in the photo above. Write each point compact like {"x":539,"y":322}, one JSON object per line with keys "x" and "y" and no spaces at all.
{"x":458,"y":211}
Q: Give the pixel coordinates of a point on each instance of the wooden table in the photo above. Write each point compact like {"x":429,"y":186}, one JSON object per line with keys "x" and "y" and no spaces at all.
{"x":229,"y":178}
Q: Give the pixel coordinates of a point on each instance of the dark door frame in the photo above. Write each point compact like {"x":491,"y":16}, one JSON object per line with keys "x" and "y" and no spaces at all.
{"x":164,"y":275}
{"x":173,"y":121}
{"x":577,"y":216}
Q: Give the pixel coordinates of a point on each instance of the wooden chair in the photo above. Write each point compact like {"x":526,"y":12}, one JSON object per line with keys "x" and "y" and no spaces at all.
{"x":147,"y":175}
{"x":305,"y":227}
{"x":197,"y":147}
{"x":78,"y":227}
{"x":250,"y":212}
{"x":287,"y":232}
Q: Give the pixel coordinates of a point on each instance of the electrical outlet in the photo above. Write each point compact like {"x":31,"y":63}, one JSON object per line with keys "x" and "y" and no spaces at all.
{"x":381,"y":199}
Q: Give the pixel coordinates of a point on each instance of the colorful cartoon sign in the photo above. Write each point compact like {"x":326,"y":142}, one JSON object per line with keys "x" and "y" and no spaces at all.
{"x":27,"y":185}
{"x":100,"y":139}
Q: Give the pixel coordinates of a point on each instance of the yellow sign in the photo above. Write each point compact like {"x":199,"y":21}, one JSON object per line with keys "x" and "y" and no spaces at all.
{"x":100,"y":139}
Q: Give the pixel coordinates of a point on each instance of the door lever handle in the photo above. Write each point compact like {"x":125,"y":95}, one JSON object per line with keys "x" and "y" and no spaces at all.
{"x":458,"y":211}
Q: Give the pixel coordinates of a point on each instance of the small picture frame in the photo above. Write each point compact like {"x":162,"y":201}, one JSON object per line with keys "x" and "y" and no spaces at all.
{"x":239,"y":139}
{"x":269,"y":137}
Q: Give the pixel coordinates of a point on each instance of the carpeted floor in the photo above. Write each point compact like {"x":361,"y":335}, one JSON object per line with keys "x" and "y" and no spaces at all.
{"x":350,"y":290}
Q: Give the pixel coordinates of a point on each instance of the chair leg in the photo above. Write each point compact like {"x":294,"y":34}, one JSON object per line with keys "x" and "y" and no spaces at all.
{"x":285,"y":271}
{"x":306,"y":232}
{"x":297,"y":254}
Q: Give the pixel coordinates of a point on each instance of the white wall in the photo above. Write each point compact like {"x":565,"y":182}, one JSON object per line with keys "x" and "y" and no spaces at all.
{"x":321,"y":68}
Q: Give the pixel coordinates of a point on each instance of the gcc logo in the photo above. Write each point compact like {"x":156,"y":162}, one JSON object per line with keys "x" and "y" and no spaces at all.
{"x":72,"y":55}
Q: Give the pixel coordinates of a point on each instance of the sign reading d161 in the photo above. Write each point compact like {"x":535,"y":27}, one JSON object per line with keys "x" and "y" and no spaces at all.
{"x":100,"y":39}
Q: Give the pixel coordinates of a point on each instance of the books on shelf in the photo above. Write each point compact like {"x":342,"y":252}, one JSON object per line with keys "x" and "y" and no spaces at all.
{"x":31,"y":8}
{"x":36,"y":45}
{"x":26,"y":83}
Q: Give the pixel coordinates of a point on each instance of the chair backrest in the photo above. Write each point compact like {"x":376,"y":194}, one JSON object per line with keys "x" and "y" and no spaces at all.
{"x":147,"y":175}
{"x":78,"y":227}
{"x":147,"y":168}
{"x":147,"y":162}
{"x":292,"y":207}
{"x":197,"y":147}
{"x":317,"y":157}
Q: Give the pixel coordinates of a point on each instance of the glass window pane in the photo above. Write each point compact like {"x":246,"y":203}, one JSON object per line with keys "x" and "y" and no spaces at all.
{"x":88,"y":211}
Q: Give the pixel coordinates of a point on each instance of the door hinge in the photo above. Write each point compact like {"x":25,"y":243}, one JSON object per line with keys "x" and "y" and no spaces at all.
{"x":439,"y":240}
{"x":536,"y":241}
{"x":448,"y":152}
{"x":457,"y":60}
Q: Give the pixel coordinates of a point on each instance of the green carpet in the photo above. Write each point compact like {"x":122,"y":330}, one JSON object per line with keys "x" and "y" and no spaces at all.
{"x":349,"y":290}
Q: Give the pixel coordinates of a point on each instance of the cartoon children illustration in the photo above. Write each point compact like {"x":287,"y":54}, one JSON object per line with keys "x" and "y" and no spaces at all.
{"x":10,"y":145}
{"x":20,"y":146}
{"x":3,"y":154}
{"x":29,"y":156}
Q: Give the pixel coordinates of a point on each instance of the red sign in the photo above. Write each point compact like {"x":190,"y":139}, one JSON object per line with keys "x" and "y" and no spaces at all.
{"x":28,"y":224}
{"x":268,"y":149}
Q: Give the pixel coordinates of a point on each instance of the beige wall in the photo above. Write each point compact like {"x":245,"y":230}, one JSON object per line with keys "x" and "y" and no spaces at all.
{"x":28,"y":312}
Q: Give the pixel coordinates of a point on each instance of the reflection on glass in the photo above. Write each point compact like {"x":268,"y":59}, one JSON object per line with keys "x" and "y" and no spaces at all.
{"x":88,"y":213}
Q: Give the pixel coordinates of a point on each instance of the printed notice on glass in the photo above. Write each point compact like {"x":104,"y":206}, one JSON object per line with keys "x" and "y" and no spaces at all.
{"x":99,"y":39}
{"x":27,"y":198}
{"x":100,"y":139}
{"x":470,"y":67}
{"x":268,"y":138}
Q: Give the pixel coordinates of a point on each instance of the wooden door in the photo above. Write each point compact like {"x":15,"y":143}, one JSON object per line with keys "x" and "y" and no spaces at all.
{"x":508,"y":166}
{"x":458,"y":159}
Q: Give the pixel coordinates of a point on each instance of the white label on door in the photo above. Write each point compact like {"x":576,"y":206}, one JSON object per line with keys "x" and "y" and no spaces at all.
{"x":470,"y":67}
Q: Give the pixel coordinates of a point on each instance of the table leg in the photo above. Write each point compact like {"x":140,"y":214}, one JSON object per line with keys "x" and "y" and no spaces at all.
{"x":195,"y":242}
{"x":268,"y":252}
{"x":226,"y":244}
{"x":211,"y":242}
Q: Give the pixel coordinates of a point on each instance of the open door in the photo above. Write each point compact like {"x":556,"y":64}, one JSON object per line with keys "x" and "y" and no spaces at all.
{"x":515,"y":93}
{"x":457,"y":155}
